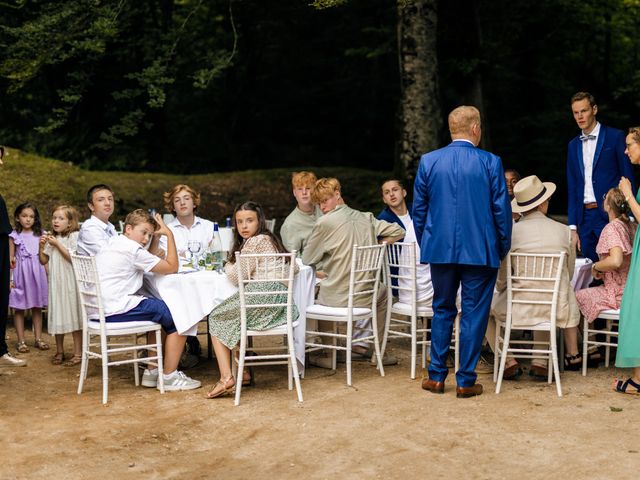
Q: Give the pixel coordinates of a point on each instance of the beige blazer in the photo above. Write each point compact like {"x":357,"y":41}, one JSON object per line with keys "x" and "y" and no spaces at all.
{"x":536,"y":233}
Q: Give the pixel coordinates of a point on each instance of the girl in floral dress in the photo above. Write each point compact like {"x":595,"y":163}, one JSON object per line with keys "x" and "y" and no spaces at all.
{"x":251,"y":236}
{"x":614,"y":249}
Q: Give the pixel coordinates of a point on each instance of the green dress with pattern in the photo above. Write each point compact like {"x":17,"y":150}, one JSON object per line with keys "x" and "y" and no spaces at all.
{"x":628,"y":354}
{"x":224,"y":320}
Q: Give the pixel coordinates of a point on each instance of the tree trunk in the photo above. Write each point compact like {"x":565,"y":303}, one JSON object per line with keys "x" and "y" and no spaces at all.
{"x":420,"y":117}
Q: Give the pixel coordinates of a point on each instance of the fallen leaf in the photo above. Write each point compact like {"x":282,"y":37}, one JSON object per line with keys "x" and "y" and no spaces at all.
{"x":615,"y":409}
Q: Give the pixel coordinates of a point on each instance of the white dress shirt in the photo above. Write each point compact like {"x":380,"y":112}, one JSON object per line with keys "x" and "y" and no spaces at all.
{"x":121,"y":265}
{"x":94,"y":235}
{"x":201,"y":230}
{"x":588,"y":154}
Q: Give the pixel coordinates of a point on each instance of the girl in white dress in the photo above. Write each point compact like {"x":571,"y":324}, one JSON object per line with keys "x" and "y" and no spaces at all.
{"x":64,"y":308}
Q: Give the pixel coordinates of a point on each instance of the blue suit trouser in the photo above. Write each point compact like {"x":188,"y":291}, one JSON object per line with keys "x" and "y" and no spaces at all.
{"x":589,"y":232}
{"x":477,"y":291}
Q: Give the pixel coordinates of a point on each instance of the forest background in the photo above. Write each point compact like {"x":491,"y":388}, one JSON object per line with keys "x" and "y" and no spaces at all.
{"x":202,"y":86}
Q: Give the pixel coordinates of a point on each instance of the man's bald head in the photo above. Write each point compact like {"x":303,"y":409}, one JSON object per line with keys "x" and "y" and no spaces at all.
{"x":464,"y":122}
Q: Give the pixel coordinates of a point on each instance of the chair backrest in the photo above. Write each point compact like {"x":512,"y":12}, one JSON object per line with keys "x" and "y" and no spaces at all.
{"x":271,"y":224}
{"x":120,"y":227}
{"x":400,"y":265}
{"x":366,"y":267}
{"x":533,"y":284}
{"x":257,"y":276}
{"x":88,"y":284}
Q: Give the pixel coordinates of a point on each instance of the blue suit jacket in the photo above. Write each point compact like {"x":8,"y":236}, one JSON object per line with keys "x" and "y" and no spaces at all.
{"x":461,"y":210}
{"x":609,"y":164}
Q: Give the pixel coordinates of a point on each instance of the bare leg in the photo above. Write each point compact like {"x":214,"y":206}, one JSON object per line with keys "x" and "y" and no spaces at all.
{"x":60,"y":343}
{"x":77,"y":343}
{"x":571,"y":340}
{"x":172,"y":351}
{"x":223,"y":357}
{"x":18,"y":322}
{"x":36,"y":318}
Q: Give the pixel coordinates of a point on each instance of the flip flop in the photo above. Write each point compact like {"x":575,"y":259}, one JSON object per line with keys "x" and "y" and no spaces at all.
{"x":621,"y":386}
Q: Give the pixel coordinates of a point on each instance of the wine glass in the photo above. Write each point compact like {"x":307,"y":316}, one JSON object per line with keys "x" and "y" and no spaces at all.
{"x":195,"y":248}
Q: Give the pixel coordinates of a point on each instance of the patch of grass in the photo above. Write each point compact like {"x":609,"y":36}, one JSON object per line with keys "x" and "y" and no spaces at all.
{"x":47,"y":182}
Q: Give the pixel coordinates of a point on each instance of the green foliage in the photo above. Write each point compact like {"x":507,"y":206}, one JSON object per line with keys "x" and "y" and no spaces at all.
{"x":48,"y":182}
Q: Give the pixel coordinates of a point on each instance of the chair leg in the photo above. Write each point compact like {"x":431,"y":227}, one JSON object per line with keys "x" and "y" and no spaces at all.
{"x":387,"y":325}
{"x":585,"y":346}
{"x":414,"y":345}
{"x":348,"y":351}
{"x":554,"y":356}
{"x":334,"y":352}
{"x":376,"y":344}
{"x":160,"y":360}
{"x":294,"y":366}
{"x":136,"y":372}
{"x":85,"y":360}
{"x":456,"y":354}
{"x":243,"y":351}
{"x":105,"y":370}
{"x":607,"y":351}
{"x":503,"y":357}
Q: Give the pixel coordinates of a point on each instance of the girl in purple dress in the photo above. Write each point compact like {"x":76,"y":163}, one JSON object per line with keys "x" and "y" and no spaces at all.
{"x":28,"y":278}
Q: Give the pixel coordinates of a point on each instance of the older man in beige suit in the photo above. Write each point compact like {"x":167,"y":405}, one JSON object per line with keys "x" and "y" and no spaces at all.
{"x":537,"y":233}
{"x":331,"y":242}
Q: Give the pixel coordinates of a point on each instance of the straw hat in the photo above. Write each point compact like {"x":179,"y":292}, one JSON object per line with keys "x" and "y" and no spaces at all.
{"x":530,"y":192}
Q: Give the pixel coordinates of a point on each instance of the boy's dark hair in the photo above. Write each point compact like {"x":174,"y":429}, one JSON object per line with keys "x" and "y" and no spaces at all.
{"x":95,"y":188}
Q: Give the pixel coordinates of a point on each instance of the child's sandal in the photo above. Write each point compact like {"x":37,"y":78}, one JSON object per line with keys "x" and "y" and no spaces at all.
{"x":39,"y":344}
{"x":22,"y":347}
{"x":73,"y":361}
{"x":57,"y":359}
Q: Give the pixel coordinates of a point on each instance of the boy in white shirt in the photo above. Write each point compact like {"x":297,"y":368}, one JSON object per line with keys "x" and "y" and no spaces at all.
{"x":97,"y":230}
{"x":183,"y":202}
{"x":121,"y":265}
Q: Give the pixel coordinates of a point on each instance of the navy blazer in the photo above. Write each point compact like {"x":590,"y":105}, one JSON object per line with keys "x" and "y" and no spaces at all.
{"x":609,"y":164}
{"x":387,"y":215}
{"x":461,"y":210}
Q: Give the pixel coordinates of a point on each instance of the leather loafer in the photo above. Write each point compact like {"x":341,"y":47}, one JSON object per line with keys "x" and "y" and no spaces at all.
{"x":512,"y":373}
{"x":466,"y":392}
{"x":539,"y":374}
{"x":432,"y":385}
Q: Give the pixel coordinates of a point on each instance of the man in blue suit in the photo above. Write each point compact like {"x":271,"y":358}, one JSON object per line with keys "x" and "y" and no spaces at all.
{"x":462,"y":219}
{"x":595,"y":163}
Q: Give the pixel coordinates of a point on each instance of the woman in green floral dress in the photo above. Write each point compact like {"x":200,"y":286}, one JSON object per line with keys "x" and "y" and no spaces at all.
{"x":251,"y":236}
{"x":628,"y":355}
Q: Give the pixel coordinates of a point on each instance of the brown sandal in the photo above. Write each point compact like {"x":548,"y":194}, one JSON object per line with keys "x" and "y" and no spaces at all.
{"x":221,"y":388}
{"x":58,"y":358}
{"x":22,"y":347}
{"x":39,"y":344}
{"x":73,"y":361}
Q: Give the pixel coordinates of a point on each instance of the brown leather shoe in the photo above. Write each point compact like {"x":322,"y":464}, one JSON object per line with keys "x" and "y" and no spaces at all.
{"x":432,"y":385}
{"x":466,"y":392}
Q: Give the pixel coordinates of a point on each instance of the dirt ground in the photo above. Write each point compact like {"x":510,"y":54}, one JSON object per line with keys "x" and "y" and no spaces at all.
{"x":380,"y":428}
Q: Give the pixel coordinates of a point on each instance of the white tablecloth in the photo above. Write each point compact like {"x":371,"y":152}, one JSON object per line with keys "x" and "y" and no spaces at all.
{"x":581,"y":274}
{"x":191,"y":296}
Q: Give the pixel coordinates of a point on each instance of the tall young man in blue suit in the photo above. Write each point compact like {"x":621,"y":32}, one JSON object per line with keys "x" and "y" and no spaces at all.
{"x":462,"y":219}
{"x":595,"y":163}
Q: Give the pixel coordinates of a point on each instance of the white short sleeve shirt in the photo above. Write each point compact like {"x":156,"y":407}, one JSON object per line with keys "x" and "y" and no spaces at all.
{"x":121,"y":266}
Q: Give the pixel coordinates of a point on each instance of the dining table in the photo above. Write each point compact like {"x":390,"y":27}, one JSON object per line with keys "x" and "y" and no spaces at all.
{"x":192,"y":294}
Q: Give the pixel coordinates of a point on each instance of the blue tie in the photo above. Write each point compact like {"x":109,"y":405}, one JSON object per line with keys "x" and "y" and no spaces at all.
{"x":584,"y":137}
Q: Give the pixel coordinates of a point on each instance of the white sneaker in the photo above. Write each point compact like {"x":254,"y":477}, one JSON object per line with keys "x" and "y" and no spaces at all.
{"x":8,"y":360}
{"x":179,"y":381}
{"x":150,"y":379}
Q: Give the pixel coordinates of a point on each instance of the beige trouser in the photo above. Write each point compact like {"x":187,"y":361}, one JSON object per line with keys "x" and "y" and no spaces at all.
{"x":538,"y":336}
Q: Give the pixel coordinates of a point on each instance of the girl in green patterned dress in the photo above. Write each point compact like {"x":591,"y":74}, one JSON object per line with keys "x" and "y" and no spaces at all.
{"x":251,"y":236}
